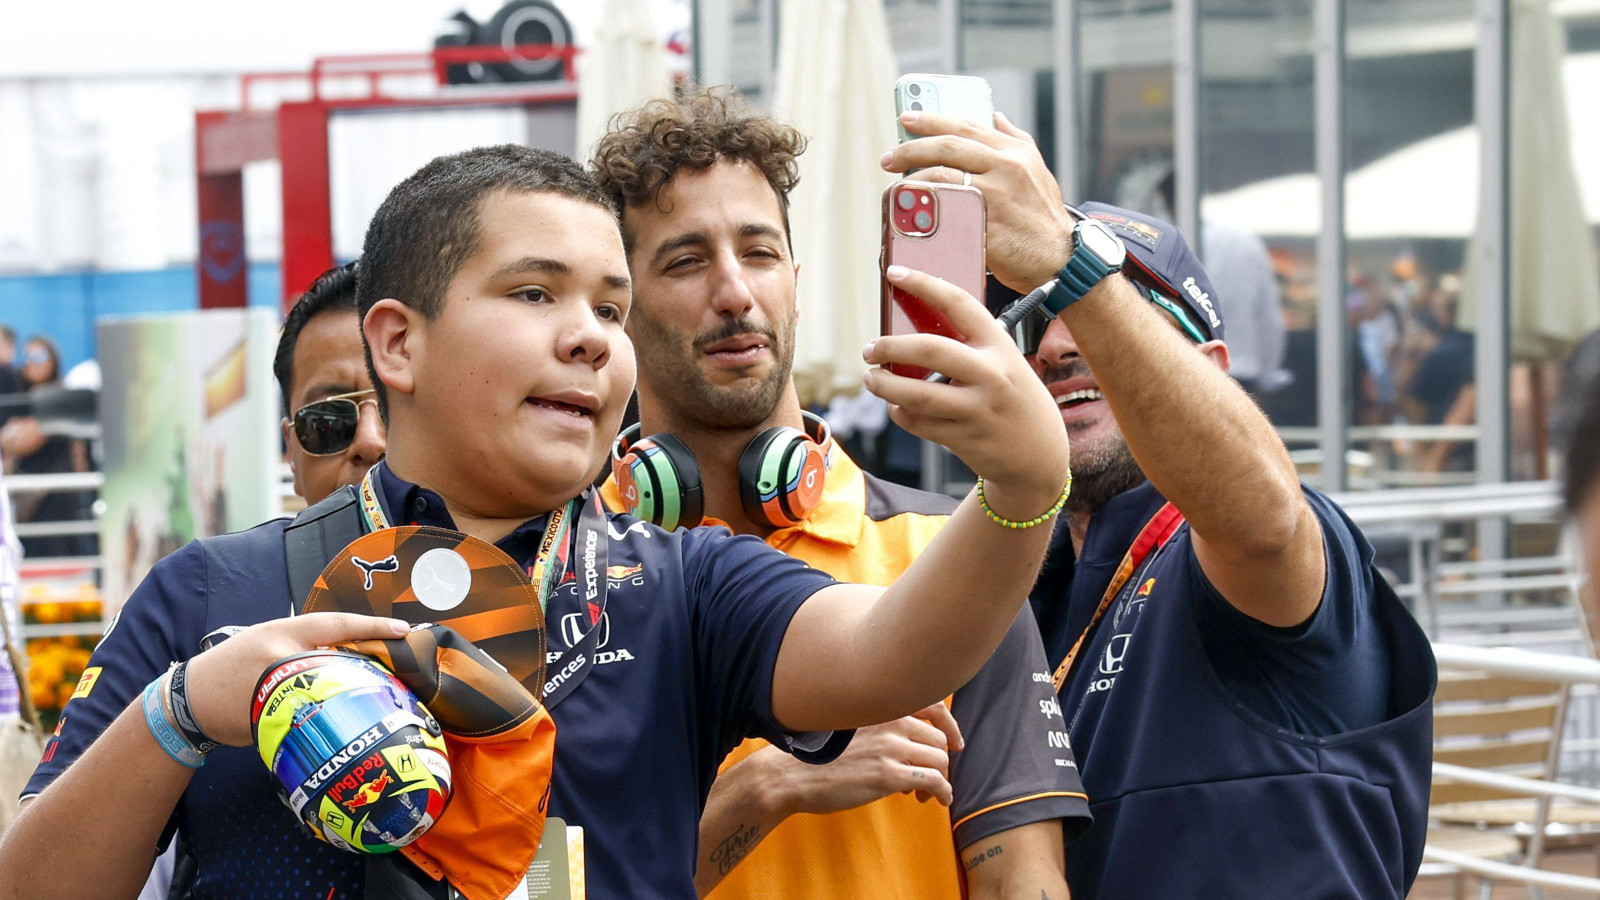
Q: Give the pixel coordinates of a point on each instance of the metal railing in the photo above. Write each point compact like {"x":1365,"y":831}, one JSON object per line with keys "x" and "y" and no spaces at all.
{"x":1515,"y":663}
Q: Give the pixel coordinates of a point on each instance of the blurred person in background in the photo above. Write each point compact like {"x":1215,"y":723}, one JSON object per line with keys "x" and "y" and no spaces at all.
{"x":1579,"y":378}
{"x":30,"y":449}
{"x":1248,"y":297}
{"x":1376,"y":325}
{"x":331,"y":425}
{"x":19,"y":743}
{"x":8,"y":345}
{"x":41,"y":362}
{"x":1583,"y":490}
{"x":10,"y":378}
{"x":1434,"y":378}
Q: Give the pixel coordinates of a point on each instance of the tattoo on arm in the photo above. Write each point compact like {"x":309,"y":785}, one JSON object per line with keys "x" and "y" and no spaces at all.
{"x":977,"y":858}
{"x":735,"y":847}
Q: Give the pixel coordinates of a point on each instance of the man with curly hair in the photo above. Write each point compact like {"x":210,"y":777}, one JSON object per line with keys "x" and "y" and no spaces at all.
{"x":703,"y":184}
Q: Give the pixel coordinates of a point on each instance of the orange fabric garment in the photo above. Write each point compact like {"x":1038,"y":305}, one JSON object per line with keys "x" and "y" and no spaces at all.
{"x":501,"y":742}
{"x":894,"y":848}
{"x":489,"y":834}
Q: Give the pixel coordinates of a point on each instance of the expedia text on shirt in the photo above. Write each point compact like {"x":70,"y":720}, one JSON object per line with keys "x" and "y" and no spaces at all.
{"x":591,"y":572}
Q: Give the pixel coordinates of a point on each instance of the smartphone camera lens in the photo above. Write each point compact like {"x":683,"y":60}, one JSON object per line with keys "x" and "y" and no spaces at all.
{"x":914,"y":89}
{"x":906,"y":199}
{"x":915,"y":106}
{"x":923,"y":220}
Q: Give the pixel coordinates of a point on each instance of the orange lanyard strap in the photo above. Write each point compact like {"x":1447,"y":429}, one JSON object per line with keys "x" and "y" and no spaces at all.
{"x":1152,"y":536}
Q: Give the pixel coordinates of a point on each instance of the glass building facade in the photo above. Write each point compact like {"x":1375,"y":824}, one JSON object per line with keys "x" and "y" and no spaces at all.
{"x":1421,"y":175}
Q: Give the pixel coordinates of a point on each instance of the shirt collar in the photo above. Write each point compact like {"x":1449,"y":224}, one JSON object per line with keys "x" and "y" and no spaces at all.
{"x":1113,"y":526}
{"x":839,"y":516}
{"x":413,"y":504}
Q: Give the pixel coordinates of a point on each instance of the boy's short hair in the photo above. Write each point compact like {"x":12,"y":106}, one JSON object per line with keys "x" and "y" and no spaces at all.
{"x":427,"y":227}
{"x":333,"y":291}
{"x":1583,"y":455}
{"x":646,"y":148}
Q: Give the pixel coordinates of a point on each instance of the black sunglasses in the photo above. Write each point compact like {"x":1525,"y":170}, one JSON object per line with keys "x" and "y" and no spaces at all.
{"x":329,"y":426}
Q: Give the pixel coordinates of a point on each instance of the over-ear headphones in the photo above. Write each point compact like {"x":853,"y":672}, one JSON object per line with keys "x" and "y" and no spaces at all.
{"x":781,"y":472}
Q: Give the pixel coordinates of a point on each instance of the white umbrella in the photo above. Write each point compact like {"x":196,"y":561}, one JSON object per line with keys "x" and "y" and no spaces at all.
{"x":624,"y":66}
{"x":1420,"y":191}
{"x":835,"y":82}
{"x":1555,"y":276}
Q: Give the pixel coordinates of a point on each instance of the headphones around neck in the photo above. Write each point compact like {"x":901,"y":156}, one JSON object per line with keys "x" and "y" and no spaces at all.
{"x":781,"y":472}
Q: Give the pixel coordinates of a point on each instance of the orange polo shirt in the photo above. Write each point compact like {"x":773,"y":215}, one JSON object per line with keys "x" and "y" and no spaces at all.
{"x":868,"y":531}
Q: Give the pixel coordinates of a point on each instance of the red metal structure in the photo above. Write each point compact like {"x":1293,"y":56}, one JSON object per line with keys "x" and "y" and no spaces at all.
{"x":296,"y":134}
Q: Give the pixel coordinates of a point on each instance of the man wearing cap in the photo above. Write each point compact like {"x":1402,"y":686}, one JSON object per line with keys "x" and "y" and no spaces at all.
{"x":1249,"y":702}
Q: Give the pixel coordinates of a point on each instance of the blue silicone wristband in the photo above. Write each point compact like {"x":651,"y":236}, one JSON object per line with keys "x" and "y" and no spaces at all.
{"x":166,"y":734}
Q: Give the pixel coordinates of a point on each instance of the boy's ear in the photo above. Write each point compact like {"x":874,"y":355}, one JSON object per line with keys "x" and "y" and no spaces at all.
{"x":394,"y":335}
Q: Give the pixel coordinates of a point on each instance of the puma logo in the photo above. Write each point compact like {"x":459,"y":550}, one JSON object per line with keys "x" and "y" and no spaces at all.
{"x":387,"y":564}
{"x":635,"y":528}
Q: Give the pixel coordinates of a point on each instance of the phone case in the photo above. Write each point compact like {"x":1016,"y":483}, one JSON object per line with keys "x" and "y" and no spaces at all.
{"x":964,"y":96}
{"x":953,"y":251}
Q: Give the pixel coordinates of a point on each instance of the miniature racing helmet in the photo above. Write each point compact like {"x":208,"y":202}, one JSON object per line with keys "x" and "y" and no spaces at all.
{"x":357,"y":757}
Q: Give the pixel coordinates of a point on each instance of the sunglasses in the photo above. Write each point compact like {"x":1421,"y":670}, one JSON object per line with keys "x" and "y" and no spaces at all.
{"x":329,"y":426}
{"x":1030,"y":331}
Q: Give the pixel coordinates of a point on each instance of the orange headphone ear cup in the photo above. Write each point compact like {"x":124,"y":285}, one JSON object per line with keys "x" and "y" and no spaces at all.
{"x":781,"y":472}
{"x":659,"y":479}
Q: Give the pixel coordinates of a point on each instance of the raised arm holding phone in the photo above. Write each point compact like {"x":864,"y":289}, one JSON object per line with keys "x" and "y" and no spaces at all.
{"x":1246,"y":693}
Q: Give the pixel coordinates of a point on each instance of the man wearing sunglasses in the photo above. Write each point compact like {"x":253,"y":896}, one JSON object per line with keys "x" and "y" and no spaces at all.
{"x":332,"y":427}
{"x":1249,"y":702}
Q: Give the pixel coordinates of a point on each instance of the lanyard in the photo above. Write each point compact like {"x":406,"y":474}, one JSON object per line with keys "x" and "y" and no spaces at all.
{"x":594,"y":554}
{"x":549,"y":567}
{"x":1152,"y":537}
{"x":375,"y":515}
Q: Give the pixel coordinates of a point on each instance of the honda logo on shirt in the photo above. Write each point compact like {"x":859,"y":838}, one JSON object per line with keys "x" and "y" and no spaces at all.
{"x":1116,"y":649}
{"x":572,"y":629}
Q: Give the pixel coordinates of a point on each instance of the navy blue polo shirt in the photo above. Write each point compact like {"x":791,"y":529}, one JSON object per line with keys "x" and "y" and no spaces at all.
{"x":694,"y":623}
{"x":1224,"y":757}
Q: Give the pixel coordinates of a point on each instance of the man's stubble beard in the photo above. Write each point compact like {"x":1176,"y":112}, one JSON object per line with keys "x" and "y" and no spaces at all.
{"x":1100,"y":473}
{"x":672,"y":363}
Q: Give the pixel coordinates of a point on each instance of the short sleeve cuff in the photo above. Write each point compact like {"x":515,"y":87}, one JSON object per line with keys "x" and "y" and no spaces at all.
{"x":1070,"y":807}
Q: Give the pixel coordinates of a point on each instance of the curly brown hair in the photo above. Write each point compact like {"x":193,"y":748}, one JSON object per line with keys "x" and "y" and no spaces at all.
{"x":644,"y":149}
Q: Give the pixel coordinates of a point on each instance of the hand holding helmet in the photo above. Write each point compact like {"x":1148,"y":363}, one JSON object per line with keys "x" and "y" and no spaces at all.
{"x":358,"y":759}
{"x":222,"y":680}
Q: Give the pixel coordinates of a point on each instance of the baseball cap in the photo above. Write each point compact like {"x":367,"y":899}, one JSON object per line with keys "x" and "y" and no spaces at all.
{"x":1159,"y":258}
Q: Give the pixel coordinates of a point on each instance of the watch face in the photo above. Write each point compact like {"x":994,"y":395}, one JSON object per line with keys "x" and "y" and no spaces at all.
{"x":1098,"y":239}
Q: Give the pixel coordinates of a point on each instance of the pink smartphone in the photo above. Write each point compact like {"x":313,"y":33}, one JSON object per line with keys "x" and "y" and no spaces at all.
{"x":937,"y":229}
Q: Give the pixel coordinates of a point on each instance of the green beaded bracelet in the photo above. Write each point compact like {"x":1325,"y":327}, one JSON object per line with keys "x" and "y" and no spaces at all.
{"x":1066,"y":491}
